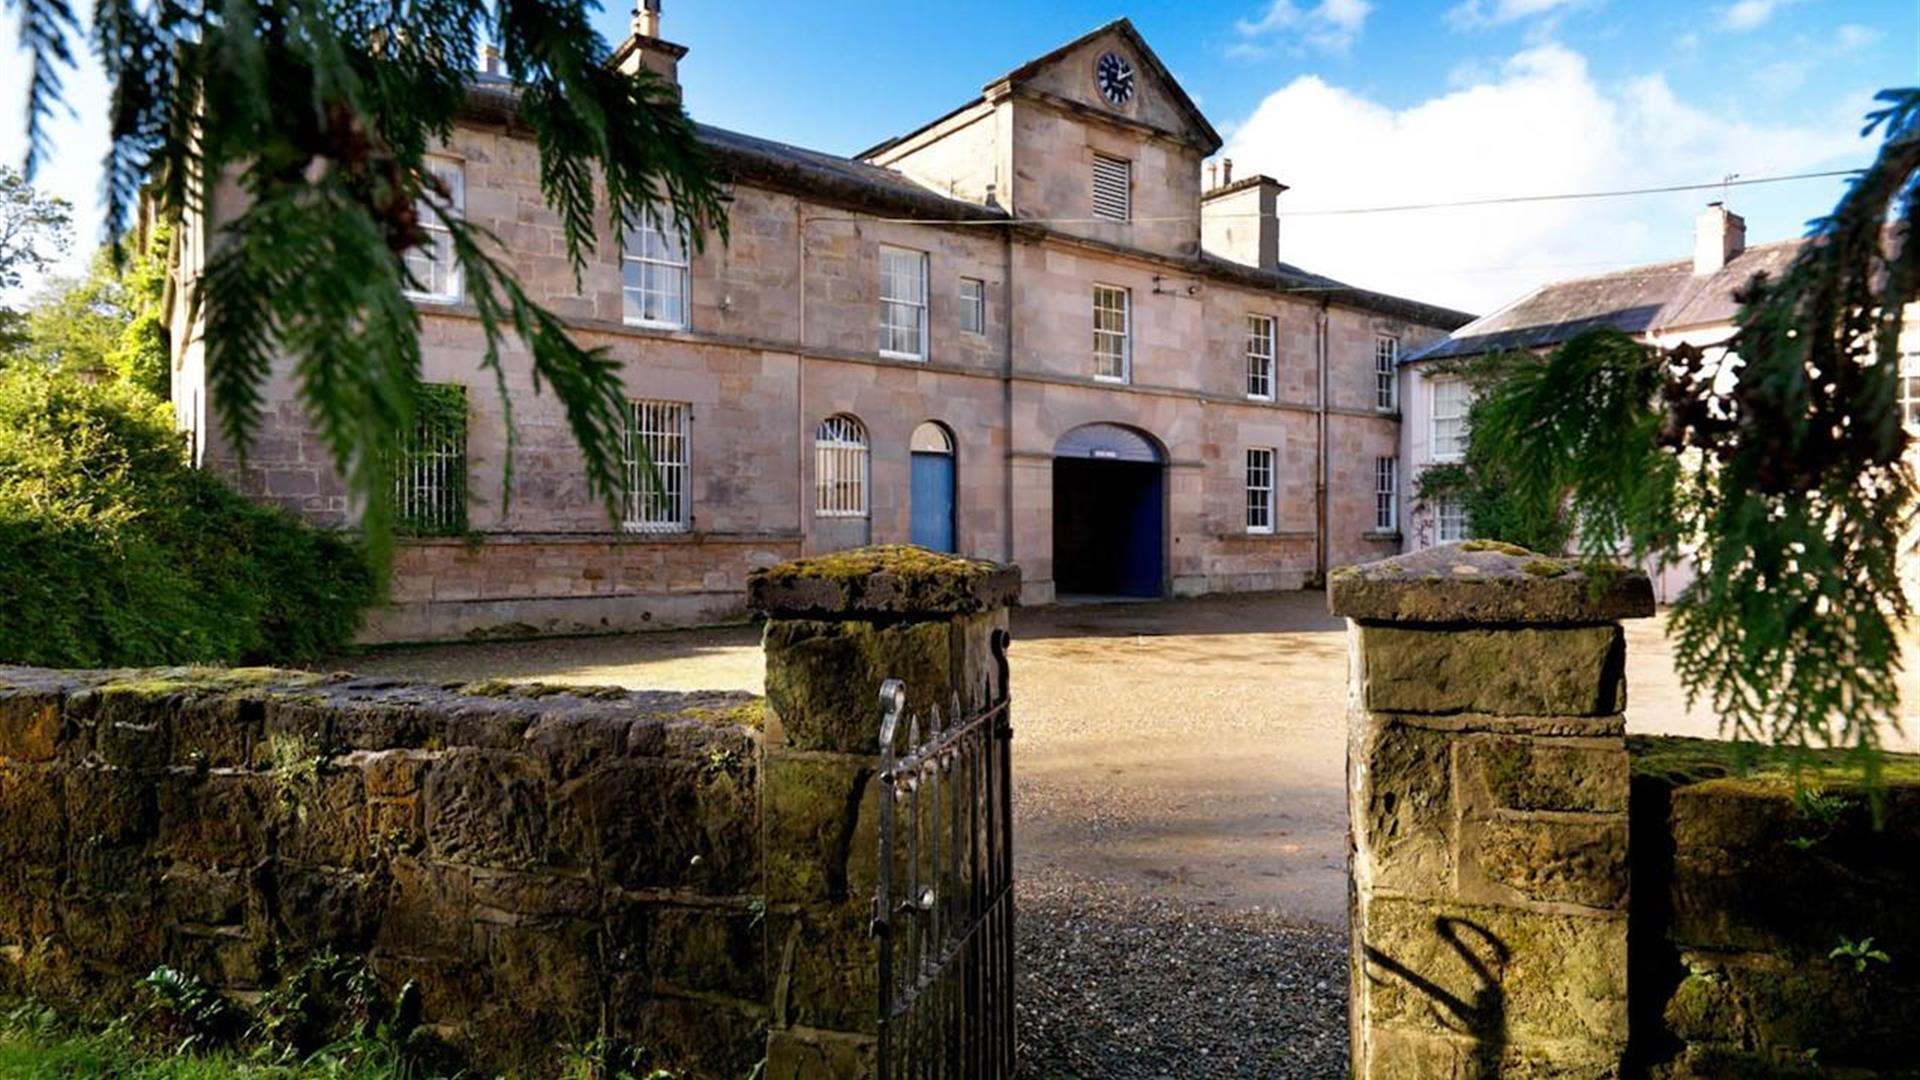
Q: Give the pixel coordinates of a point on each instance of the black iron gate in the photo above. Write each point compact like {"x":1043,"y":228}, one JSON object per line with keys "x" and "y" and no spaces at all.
{"x":943,"y":913}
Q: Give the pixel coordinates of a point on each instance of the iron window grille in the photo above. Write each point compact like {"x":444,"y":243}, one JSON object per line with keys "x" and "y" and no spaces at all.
{"x":1386,"y":494}
{"x":1386,"y":361}
{"x":840,"y":464}
{"x":1260,"y":340}
{"x":1449,"y":402}
{"x":430,"y":475}
{"x":657,"y":452}
{"x":1112,"y":188}
{"x":1260,"y":490}
{"x":1910,"y":389}
{"x":433,"y":272}
{"x":656,"y":273}
{"x":1112,"y":336}
{"x":1450,"y":519}
{"x":903,"y":304}
{"x":973,"y":306}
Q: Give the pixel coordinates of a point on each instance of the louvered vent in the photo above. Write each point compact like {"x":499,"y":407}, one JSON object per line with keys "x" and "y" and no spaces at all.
{"x":1112,"y":188}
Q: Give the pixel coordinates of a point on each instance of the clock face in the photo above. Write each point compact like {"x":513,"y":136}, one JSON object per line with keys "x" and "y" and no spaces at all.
{"x":1115,"y":78}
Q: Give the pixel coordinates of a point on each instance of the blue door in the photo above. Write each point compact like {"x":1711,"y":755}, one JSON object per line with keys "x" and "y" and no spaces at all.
{"x":933,"y":501}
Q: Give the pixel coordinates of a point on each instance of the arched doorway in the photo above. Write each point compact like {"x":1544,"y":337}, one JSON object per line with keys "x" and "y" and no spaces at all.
{"x":933,"y":487}
{"x":1109,"y":513}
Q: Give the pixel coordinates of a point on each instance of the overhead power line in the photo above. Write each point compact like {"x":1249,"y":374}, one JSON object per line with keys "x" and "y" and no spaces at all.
{"x":1401,"y":208}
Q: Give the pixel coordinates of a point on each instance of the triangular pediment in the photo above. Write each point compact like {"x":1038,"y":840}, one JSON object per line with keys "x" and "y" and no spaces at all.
{"x":1071,"y":73}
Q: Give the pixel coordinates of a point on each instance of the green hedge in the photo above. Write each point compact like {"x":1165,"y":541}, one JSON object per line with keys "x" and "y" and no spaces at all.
{"x":113,"y":551}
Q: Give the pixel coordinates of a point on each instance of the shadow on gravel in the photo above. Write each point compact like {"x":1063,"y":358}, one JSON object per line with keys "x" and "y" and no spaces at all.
{"x":1111,"y":985}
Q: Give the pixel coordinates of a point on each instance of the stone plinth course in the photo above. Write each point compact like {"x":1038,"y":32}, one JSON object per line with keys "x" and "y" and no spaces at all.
{"x":1488,"y":800}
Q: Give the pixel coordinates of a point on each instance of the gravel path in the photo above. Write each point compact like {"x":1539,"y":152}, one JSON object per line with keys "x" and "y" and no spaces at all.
{"x":1119,"y":985}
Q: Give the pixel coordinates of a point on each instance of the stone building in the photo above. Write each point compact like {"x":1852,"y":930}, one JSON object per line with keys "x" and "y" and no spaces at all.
{"x":1664,"y":304}
{"x":1026,"y":331}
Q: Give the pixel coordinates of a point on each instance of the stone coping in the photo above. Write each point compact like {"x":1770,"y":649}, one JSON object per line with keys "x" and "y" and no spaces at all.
{"x":1481,"y":581}
{"x":886,"y":582}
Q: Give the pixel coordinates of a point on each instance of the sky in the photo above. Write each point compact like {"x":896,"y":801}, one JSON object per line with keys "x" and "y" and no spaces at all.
{"x":1355,"y":104}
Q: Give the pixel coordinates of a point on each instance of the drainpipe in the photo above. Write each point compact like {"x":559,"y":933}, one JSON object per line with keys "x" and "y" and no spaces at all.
{"x":800,"y":380}
{"x":1323,"y":465}
{"x":1006,"y":397}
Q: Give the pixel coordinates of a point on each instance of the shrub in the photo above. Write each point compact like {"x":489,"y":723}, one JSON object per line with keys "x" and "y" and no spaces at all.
{"x":114,"y":551}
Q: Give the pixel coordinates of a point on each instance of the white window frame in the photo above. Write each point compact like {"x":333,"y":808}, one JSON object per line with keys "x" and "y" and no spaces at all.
{"x":442,"y":277}
{"x":655,"y":247}
{"x":1450,"y":522}
{"x":1112,"y":188}
{"x":1386,"y":372}
{"x":1260,"y":477}
{"x":430,"y":496}
{"x":973,"y":306}
{"x":1105,"y":338}
{"x":1447,"y":431}
{"x":659,"y":482}
{"x":1262,"y":339}
{"x":912,"y":302}
{"x":842,"y":468}
{"x":1386,"y":494}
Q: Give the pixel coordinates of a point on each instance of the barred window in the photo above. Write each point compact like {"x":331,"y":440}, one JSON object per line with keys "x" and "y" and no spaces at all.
{"x":655,"y":272}
{"x":1386,"y":361}
{"x":1112,"y":338}
{"x":657,"y":455}
{"x":1449,"y":400}
{"x":840,"y":468}
{"x":1450,"y":519}
{"x":1386,"y":494}
{"x":903,"y":303}
{"x":430,"y":475}
{"x":1112,"y":188}
{"x":973,"y":306}
{"x":1260,"y":489}
{"x":433,"y":272}
{"x":1910,"y":389}
{"x":1260,"y":357}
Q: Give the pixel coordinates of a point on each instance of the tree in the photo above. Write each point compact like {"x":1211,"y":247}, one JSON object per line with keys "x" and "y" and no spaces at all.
{"x":322,"y":115}
{"x":1794,"y":482}
{"x":35,"y":230}
{"x":108,"y":323}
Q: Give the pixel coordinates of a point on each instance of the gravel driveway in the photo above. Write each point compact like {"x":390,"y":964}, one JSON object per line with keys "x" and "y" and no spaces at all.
{"x":1180,"y":801}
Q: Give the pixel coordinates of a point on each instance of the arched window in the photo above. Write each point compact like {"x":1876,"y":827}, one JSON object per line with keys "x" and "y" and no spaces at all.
{"x":840,"y":468}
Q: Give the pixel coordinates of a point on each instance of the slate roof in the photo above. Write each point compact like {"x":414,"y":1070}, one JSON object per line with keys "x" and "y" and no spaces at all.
{"x":1639,"y":300}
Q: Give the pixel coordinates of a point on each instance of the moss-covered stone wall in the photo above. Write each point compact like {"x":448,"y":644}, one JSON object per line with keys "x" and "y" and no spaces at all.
{"x":1776,"y":925}
{"x":545,"y":865}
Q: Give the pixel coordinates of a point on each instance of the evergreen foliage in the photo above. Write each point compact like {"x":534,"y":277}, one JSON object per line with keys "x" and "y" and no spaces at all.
{"x":107,"y":324}
{"x":321,"y":116}
{"x":1785,"y":465}
{"x":113,"y":551}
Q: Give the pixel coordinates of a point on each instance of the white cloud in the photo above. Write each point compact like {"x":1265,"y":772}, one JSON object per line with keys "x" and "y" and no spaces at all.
{"x":1751,"y":14}
{"x":1472,"y":14}
{"x":1330,"y":26}
{"x":1854,"y":36}
{"x":1538,"y":123}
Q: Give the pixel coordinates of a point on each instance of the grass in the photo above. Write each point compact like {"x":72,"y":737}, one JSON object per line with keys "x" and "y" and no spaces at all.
{"x":34,"y":1045}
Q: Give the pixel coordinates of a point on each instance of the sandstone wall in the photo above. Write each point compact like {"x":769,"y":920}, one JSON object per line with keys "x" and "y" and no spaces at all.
{"x":540,"y":864}
{"x":1744,"y":890}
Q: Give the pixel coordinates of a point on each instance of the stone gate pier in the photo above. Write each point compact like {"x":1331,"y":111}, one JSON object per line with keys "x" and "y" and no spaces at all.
{"x":1488,"y":781}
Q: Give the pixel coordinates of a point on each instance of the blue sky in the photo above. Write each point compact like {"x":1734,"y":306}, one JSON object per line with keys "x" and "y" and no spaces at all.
{"x":1352,"y":102}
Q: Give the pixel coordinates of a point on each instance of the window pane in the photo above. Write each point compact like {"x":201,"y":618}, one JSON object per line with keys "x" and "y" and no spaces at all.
{"x":840,"y":468}
{"x":430,"y":475}
{"x":1260,"y":490}
{"x":656,"y":273}
{"x":1260,"y":359}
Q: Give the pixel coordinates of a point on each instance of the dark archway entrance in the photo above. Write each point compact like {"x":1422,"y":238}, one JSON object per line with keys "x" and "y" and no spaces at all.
{"x":1109,"y":513}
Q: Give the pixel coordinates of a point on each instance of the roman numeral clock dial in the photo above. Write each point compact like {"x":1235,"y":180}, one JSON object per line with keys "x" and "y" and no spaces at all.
{"x":1114,"y":76}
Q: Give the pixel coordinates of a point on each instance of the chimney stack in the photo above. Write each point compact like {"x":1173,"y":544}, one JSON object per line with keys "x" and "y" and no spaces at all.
{"x":1226,"y":172}
{"x":1241,"y":222}
{"x":1719,"y":236}
{"x":644,"y":48}
{"x":490,"y":59}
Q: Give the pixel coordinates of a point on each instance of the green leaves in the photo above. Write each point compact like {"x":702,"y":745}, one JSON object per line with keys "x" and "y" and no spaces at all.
{"x":1780,"y":459}
{"x":317,"y":119}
